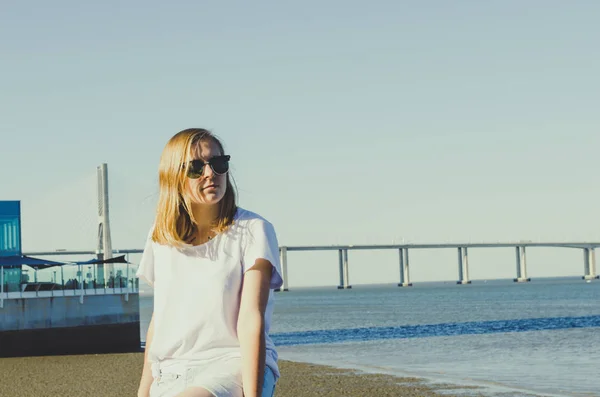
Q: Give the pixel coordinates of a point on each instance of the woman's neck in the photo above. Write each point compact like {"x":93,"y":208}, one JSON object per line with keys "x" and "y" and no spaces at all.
{"x":205,"y":216}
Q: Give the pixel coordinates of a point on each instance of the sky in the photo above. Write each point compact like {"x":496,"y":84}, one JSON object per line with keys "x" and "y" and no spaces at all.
{"x":348,"y":122}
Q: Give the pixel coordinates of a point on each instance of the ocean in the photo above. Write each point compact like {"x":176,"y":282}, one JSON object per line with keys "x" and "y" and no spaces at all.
{"x":538,"y":338}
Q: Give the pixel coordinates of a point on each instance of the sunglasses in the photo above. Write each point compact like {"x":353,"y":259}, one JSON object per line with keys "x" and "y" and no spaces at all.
{"x":219,"y":165}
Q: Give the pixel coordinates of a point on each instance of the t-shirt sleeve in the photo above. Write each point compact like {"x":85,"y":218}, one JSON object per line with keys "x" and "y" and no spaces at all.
{"x":261,"y":243}
{"x":146,"y":269}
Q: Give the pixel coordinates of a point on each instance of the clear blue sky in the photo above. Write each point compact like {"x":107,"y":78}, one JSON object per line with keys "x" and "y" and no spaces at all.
{"x":348,"y":122}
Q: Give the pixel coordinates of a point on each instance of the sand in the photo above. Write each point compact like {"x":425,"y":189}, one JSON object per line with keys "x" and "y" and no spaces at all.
{"x":113,"y":375}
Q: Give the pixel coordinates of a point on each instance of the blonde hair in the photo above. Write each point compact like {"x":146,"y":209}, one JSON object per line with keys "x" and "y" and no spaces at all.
{"x":175,"y":224}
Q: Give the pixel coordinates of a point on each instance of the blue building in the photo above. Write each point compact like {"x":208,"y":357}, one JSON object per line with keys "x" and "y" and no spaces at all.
{"x":10,"y":228}
{"x":10,"y":242}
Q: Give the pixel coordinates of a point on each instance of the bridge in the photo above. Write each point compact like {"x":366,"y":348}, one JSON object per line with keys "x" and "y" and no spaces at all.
{"x":588,"y":248}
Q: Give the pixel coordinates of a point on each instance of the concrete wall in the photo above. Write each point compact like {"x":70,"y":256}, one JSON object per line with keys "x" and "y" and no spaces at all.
{"x":62,"y":325}
{"x":59,"y":311}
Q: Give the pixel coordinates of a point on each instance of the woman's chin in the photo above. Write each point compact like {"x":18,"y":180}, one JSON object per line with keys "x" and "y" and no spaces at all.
{"x":209,"y":199}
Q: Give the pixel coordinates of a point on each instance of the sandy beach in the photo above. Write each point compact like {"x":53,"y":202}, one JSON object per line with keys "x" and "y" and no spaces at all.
{"x":110,"y":375}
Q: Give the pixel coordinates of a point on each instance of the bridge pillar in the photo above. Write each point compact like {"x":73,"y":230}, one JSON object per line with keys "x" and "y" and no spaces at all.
{"x":344,"y":276}
{"x":404,"y":268}
{"x":401,"y":267}
{"x":521,"y":266}
{"x":589,"y":264}
{"x":284,"y":268}
{"x":341,"y":269}
{"x":518,"y":256}
{"x":104,"y":251}
{"x":463,"y":266}
{"x":466,"y":263}
{"x":346,"y":271}
{"x":460,"y":265}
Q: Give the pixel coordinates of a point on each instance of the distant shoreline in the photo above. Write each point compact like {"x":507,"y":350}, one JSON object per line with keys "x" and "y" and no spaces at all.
{"x":147,"y":291}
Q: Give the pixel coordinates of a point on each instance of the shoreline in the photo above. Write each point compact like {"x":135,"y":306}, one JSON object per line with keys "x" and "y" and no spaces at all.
{"x":113,"y":375}
{"x":438,"y":384}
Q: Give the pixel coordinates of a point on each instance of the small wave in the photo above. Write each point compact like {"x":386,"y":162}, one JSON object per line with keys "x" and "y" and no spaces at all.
{"x":432,"y":330}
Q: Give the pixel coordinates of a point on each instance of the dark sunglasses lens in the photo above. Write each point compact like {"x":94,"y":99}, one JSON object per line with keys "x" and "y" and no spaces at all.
{"x":220,"y":165}
{"x":196,"y":169}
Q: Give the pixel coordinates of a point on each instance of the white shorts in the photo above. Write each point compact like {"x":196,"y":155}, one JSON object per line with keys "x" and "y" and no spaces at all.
{"x":219,"y":379}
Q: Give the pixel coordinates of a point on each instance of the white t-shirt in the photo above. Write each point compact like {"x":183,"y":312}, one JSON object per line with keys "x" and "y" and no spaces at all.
{"x":197,"y":292}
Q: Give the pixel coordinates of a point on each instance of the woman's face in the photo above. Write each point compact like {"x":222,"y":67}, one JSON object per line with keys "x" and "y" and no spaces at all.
{"x":210,"y":187}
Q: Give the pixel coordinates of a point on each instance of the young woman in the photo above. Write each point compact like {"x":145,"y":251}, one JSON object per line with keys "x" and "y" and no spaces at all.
{"x":213,"y":267}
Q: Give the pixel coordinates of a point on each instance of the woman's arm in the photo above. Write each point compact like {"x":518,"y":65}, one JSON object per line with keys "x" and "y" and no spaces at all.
{"x":146,"y":381}
{"x":251,"y":326}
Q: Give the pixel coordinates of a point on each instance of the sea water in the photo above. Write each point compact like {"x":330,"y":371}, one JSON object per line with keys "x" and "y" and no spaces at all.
{"x":541,"y":337}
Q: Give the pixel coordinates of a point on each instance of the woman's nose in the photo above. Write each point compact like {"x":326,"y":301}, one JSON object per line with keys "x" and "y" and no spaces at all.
{"x":208,"y":171}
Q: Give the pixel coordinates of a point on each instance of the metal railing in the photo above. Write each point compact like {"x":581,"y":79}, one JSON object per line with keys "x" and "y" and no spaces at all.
{"x":68,"y":280}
